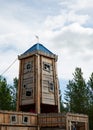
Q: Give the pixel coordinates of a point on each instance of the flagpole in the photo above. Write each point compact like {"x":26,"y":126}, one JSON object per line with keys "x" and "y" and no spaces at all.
{"x":37,"y":38}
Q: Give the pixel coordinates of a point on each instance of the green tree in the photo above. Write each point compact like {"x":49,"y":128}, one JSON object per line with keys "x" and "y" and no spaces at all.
{"x":14,"y":89}
{"x":5,"y":95}
{"x":76,"y":93}
{"x":90,"y":90}
{"x":62,"y":108}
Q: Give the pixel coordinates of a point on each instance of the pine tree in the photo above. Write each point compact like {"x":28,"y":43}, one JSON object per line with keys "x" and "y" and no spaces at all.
{"x":76,"y":93}
{"x":14,"y":89}
{"x":90,"y":91}
{"x":5,"y":95}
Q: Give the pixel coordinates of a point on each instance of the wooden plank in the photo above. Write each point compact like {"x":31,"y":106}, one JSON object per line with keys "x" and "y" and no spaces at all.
{"x":48,"y":95}
{"x":41,"y":78}
{"x":24,"y":97}
{"x":46,"y":80}
{"x":6,"y":118}
{"x":45,"y":89}
{"x":25,"y":102}
{"x":17,"y":128}
{"x":45,"y":101}
{"x":28,"y":80}
{"x":47,"y":73}
{"x":37,"y":69}
{"x":27,"y":85}
{"x":31,"y":71}
{"x":33,"y":120}
{"x":28,"y":75}
{"x":52,"y":120}
{"x":48,"y":99}
{"x":1,"y":117}
{"x":31,"y":58}
{"x":47,"y":77}
{"x":3,"y":128}
{"x":19,"y":84}
{"x":45,"y":59}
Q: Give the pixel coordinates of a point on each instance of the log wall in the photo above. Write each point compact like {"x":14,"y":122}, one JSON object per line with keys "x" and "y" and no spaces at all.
{"x":48,"y":84}
{"x":17,"y":121}
{"x":79,"y":121}
{"x":30,"y":121}
{"x":52,"y":120}
{"x":27,"y":81}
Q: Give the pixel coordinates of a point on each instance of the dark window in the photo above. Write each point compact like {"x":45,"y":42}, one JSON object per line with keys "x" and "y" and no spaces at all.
{"x":24,"y":86}
{"x":51,"y":87}
{"x":29,"y":93}
{"x":46,"y":67}
{"x":13,"y":118}
{"x":28,"y":66}
{"x":25,"y":119}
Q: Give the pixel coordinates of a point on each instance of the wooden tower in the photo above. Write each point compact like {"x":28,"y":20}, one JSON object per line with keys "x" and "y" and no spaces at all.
{"x":38,"y":90}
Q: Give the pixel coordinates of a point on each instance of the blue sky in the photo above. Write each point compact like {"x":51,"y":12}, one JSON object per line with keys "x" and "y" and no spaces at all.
{"x":64,"y":26}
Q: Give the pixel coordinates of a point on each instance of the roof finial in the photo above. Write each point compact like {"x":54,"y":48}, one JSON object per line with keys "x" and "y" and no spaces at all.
{"x":37,"y":37}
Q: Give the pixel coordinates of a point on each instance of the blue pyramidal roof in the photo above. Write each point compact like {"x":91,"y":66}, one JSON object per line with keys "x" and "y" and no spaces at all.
{"x":38,"y":47}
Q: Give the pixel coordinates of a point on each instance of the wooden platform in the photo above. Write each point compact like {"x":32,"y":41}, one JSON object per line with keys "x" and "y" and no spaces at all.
{"x":79,"y":121}
{"x":17,"y":121}
{"x":29,"y":121}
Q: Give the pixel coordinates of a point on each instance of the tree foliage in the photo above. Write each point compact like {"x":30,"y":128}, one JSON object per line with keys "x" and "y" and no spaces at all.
{"x":79,"y":95}
{"x":7,"y":94}
{"x":90,"y":90}
{"x":14,"y":89}
{"x":76,"y":93}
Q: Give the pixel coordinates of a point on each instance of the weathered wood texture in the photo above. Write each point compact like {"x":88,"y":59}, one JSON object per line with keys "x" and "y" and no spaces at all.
{"x":52,"y":128}
{"x":38,"y":81}
{"x":52,"y":120}
{"x":26,"y":82}
{"x":49,"y":77}
{"x":37,"y":77}
{"x":18,"y":119}
{"x":77,"y":117}
{"x":30,"y":121}
{"x":17,"y":128}
{"x":79,"y":120}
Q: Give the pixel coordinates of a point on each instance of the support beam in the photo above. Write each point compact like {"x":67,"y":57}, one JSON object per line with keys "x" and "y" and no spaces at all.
{"x":37,"y":57}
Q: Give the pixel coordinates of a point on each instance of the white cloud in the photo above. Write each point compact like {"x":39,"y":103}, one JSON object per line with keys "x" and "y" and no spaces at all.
{"x":61,"y":27}
{"x":77,"y":5}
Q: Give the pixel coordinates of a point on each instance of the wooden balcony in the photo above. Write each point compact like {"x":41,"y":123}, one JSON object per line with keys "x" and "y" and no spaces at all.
{"x":52,"y":120}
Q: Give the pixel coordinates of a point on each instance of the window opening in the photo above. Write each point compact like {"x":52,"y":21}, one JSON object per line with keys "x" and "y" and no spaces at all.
{"x":25,"y":119}
{"x":28,"y":66}
{"x":46,"y":67}
{"x":51,"y":87}
{"x":24,"y":86}
{"x":29,"y":93}
{"x":13,"y":118}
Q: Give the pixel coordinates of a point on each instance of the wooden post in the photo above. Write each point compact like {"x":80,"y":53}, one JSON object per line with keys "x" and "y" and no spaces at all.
{"x":86,"y":126}
{"x":37,"y":83}
{"x":57,"y":87}
{"x":67,"y":124}
{"x":70,"y":125}
{"x":18,"y":91}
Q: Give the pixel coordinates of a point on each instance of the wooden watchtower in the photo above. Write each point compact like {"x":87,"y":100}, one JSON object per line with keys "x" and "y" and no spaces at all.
{"x":38,"y":82}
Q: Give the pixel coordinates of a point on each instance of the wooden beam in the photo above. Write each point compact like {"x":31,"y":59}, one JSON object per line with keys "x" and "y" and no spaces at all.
{"x":19,"y":87}
{"x":37,"y":57}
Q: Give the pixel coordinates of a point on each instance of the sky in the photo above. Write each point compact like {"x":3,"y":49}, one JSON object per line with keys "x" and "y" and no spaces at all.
{"x":65,"y":27}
